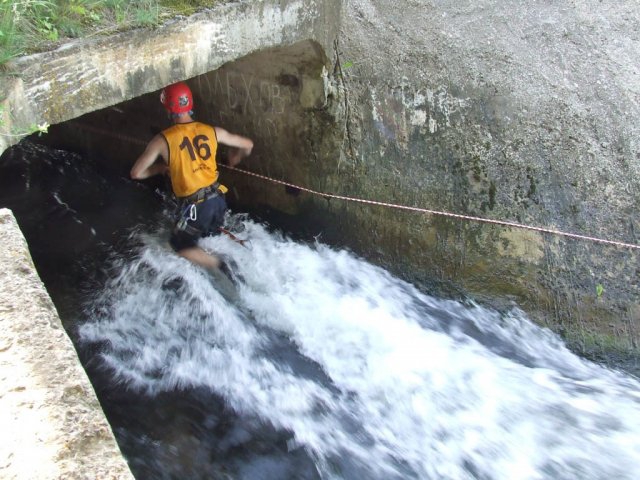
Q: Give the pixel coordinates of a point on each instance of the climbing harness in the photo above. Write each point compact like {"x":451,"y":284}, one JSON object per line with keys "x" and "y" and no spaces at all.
{"x":188,"y":212}
{"x":202,"y":194}
{"x":187,"y":205}
{"x":396,"y":206}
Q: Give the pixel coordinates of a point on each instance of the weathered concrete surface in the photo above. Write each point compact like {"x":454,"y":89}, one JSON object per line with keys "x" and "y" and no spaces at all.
{"x":85,"y":76}
{"x":522,"y":111}
{"x":277,"y":97}
{"x":52,"y":424}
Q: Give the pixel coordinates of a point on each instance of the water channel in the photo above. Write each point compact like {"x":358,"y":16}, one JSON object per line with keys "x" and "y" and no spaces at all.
{"x":325,"y":366}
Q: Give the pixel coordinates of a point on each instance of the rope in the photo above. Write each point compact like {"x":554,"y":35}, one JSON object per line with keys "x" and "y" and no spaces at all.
{"x":101,"y":131}
{"x":396,"y":206}
{"x":439,"y":213}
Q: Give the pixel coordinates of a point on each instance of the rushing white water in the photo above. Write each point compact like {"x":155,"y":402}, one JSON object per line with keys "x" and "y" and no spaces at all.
{"x":373,"y":378}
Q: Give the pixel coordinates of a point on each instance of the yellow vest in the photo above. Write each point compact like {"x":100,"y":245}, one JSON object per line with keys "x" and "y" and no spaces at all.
{"x":192,"y":157}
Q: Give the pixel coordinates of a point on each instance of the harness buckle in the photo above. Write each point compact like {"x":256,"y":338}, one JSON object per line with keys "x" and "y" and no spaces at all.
{"x":203,"y":194}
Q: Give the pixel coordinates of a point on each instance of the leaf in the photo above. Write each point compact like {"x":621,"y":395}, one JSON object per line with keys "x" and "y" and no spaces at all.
{"x":347,"y":64}
{"x":599,"y":290}
{"x":78,"y":9}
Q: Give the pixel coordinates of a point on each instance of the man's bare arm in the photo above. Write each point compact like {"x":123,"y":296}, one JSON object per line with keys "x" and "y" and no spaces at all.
{"x":242,"y":146}
{"x":146,"y":165}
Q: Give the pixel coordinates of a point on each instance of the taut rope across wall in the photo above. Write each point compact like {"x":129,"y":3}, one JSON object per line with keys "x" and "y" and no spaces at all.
{"x":396,"y":206}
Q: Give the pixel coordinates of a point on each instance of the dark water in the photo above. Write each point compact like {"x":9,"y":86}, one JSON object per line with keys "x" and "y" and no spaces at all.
{"x":324,"y":367}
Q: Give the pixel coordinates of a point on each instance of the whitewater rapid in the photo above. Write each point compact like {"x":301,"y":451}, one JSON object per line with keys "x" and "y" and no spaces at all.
{"x":371,"y":377}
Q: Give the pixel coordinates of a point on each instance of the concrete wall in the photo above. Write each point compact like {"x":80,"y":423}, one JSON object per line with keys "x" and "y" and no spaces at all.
{"x":86,"y":76}
{"x":47,"y":401}
{"x":523,"y":112}
{"x":51,"y":422}
{"x":517,"y":111}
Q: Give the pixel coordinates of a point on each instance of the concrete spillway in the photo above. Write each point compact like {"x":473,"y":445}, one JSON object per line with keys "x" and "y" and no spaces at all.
{"x":527,"y":114}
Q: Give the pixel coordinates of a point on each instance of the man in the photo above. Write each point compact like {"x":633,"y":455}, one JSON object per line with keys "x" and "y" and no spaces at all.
{"x":187,"y":152}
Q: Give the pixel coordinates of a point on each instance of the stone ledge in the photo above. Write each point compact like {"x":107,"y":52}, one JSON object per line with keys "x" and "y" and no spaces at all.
{"x":91,"y":74}
{"x":51,"y":422}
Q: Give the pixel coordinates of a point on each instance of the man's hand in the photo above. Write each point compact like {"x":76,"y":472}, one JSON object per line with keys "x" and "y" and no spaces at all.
{"x":240,"y":146}
{"x":235,"y":156}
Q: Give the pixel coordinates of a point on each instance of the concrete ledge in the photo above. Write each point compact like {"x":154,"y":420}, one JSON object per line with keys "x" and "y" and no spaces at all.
{"x":91,"y":74}
{"x":51,"y":422}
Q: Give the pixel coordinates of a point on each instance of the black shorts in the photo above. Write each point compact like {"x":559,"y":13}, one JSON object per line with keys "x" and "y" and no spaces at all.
{"x":209,"y":218}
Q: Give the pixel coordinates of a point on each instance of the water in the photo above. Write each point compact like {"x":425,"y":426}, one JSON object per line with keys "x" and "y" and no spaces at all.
{"x":329,"y":367}
{"x":369,"y":376}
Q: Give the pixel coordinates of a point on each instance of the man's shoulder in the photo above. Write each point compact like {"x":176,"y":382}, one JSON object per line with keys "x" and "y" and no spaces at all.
{"x":191,"y":128}
{"x":191,"y":125}
{"x":207,"y":127}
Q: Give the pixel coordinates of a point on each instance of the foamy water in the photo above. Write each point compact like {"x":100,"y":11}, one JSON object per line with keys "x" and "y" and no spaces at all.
{"x":374,"y":379}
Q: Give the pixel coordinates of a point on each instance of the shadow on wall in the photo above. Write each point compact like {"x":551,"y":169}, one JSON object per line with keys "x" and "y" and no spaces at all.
{"x":272,"y":96}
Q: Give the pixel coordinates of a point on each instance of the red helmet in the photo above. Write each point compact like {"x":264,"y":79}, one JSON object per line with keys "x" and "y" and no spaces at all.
{"x":177,"y":98}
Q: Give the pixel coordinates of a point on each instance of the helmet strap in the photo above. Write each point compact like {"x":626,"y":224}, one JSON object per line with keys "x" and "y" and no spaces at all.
{"x":175,"y":116}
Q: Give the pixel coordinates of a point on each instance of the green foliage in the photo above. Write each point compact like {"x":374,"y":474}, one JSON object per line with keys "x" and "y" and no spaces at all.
{"x":599,"y":290}
{"x":40,"y":129}
{"x":33,"y":128}
{"x":9,"y":36}
{"x":147,"y":13}
{"x":186,"y":7}
{"x":28,"y":26}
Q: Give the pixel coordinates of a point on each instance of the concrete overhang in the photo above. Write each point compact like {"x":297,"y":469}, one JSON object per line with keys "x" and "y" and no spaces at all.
{"x":89,"y":75}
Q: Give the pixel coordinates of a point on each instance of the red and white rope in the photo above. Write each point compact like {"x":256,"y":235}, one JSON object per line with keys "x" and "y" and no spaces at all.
{"x":440,"y":213}
{"x":396,"y":206}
